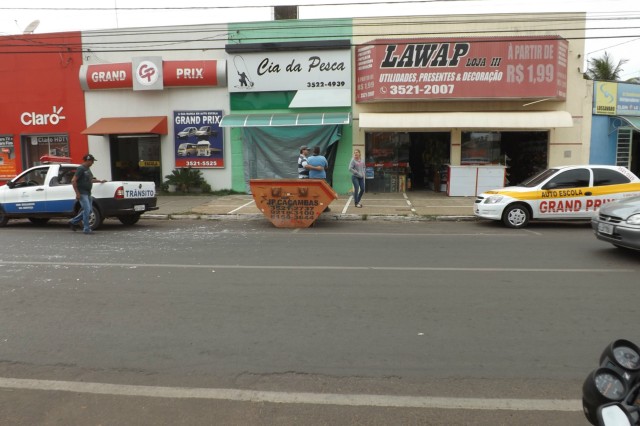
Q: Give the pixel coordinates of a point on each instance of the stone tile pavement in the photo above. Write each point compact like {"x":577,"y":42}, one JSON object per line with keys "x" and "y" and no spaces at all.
{"x":412,"y":205}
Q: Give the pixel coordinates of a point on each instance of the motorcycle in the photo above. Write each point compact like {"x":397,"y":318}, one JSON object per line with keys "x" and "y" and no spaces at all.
{"x":611,"y":392}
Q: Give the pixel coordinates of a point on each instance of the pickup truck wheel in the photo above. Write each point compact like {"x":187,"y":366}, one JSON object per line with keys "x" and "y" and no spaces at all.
{"x":39,"y":221}
{"x":516,"y":216}
{"x":129,"y":220}
{"x":3,"y":218}
{"x":95,"y":219}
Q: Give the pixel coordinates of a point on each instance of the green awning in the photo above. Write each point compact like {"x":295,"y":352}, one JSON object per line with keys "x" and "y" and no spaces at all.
{"x":632,"y":121}
{"x":271,"y":120}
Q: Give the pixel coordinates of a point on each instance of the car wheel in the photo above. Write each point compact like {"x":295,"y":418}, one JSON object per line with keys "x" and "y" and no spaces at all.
{"x":39,"y":221}
{"x":129,"y":220}
{"x":3,"y":218}
{"x":95,"y":218}
{"x":516,"y":216}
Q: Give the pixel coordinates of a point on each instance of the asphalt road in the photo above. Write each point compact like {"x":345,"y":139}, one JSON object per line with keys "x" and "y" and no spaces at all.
{"x":228,"y":322}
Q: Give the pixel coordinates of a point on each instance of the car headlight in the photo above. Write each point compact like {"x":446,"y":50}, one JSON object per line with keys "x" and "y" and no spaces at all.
{"x":634,"y":219}
{"x":493,"y":199}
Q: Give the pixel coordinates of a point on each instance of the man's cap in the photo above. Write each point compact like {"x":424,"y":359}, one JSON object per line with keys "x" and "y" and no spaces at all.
{"x":303,"y":147}
{"x":89,"y":157}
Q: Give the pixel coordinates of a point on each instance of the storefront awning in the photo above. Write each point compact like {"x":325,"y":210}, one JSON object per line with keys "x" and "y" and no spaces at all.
{"x":272,"y":120}
{"x":632,"y":121}
{"x":128,"y":126}
{"x":466,"y":120}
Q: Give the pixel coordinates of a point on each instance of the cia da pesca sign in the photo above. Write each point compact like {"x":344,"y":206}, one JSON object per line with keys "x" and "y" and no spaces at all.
{"x":198,"y":139}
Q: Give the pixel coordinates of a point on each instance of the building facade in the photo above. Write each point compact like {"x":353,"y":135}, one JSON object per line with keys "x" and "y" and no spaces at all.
{"x":428,"y":100}
{"x":615,"y":132}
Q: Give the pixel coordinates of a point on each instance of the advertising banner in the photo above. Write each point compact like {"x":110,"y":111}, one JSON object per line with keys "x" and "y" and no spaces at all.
{"x":290,"y":70}
{"x":8,"y":167}
{"x":605,"y":97}
{"x":198,"y":139}
{"x":464,"y":68}
{"x":611,"y":98}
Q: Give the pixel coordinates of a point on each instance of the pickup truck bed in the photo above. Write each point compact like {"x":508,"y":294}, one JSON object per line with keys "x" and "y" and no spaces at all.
{"x":44,"y":192}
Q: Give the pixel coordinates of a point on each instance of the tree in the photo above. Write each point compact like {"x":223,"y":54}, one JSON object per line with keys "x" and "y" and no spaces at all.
{"x":604,"y":69}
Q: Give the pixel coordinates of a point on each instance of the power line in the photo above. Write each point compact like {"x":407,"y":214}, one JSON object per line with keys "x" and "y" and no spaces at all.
{"x":543,"y":23}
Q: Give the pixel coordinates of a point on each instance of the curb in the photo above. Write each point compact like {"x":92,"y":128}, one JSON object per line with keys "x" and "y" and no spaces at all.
{"x":323,"y":217}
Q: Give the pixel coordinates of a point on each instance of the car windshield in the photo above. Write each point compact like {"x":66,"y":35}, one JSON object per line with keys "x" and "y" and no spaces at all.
{"x":538,"y":179}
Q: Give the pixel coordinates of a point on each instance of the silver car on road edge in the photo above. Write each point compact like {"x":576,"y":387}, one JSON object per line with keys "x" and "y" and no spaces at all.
{"x":618,"y":223}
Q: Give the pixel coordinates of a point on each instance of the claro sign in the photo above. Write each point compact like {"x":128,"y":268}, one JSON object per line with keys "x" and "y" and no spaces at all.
{"x":43,"y":119}
{"x":153,"y":74}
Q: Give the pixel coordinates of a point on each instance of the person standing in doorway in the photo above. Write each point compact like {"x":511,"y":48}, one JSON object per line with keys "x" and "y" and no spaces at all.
{"x":319,"y":165}
{"x":303,"y":166}
{"x":356,"y":167}
{"x":82,"y":183}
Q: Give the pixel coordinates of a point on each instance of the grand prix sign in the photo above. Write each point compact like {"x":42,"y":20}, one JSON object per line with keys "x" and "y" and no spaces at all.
{"x":146,"y":74}
{"x":465,"y":68}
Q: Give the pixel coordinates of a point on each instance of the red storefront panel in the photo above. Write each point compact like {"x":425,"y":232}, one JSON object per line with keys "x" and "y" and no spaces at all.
{"x":190,"y":73}
{"x":107,"y":76}
{"x":42,"y":105}
{"x":465,"y":68}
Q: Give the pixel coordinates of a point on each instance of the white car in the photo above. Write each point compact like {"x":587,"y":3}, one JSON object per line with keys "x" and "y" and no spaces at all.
{"x":186,"y":132}
{"x":568,"y":192}
{"x":203,"y":131}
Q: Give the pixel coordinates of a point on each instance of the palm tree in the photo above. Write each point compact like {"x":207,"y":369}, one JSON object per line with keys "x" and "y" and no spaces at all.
{"x":604,"y":69}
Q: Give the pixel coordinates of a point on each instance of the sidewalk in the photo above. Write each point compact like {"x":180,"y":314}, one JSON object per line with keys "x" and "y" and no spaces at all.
{"x":413,"y":205}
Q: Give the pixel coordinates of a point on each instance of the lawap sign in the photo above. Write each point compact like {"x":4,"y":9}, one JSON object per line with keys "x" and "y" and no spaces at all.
{"x":153,"y":74}
{"x":465,"y":68}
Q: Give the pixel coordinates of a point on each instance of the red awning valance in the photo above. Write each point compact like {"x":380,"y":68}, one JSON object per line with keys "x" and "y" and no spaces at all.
{"x":128,"y":126}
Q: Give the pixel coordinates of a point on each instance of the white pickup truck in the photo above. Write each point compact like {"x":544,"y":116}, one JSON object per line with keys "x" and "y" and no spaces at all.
{"x":44,"y":192}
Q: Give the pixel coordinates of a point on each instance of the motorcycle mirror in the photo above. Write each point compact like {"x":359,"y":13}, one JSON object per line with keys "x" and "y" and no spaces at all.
{"x":613,"y":415}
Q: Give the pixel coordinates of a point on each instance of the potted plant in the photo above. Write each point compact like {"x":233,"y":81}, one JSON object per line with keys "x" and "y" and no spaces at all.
{"x":185,"y":179}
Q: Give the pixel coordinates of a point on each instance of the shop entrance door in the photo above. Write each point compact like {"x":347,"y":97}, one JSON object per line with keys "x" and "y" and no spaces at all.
{"x":400,"y":161}
{"x":135,"y":158}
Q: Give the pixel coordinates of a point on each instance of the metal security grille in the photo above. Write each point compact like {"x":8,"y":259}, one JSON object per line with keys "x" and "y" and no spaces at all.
{"x":623,"y":150}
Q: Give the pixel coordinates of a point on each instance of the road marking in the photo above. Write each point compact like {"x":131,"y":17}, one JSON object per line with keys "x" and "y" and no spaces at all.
{"x":571,"y":405}
{"x":346,"y":205}
{"x":408,"y":202}
{"x":319,"y":267}
{"x":241,"y":207}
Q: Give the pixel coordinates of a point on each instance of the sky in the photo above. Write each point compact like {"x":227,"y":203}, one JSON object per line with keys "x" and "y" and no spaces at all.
{"x":614,"y":25}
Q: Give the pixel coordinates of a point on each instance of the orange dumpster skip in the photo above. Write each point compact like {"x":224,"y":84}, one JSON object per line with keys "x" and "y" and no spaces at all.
{"x":292,"y":203}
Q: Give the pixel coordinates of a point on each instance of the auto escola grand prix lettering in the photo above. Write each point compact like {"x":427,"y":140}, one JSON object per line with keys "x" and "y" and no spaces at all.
{"x":567,"y":206}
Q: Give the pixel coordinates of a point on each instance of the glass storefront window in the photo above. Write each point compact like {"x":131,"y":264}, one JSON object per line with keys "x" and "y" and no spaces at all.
{"x":36,"y":146}
{"x":480,"y":148}
{"x":136,"y":158}
{"x":524,"y":153}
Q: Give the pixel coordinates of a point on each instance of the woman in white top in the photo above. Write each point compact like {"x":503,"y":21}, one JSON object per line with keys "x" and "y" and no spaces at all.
{"x":356,"y":167}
